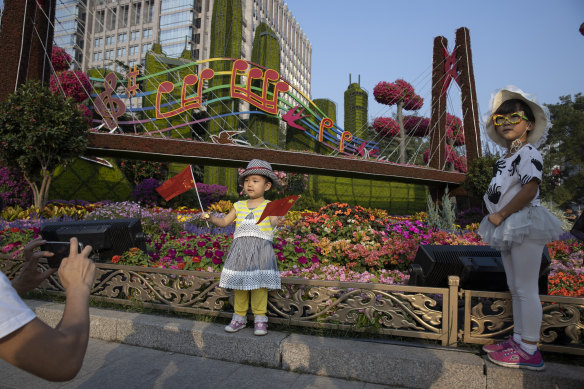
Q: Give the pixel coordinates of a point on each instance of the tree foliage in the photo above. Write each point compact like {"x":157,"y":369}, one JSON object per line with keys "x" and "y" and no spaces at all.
{"x":40,"y":131}
{"x":478,"y":177}
{"x":564,"y":160}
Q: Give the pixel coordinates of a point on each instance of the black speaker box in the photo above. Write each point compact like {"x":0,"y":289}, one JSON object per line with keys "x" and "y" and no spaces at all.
{"x":107,"y":237}
{"x":479,"y":267}
{"x":578,"y":227}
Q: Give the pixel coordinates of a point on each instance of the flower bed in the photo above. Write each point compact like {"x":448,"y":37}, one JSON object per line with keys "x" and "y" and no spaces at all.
{"x":339,"y":242}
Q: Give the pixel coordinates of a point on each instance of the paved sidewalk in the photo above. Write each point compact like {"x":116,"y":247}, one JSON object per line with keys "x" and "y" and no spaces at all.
{"x":109,"y":365}
{"x":132,"y":350}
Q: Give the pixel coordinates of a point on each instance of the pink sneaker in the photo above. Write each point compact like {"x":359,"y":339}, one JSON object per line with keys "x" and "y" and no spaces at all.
{"x":491,"y":348}
{"x":237,"y":323}
{"x":260,"y":325}
{"x":517,"y":358}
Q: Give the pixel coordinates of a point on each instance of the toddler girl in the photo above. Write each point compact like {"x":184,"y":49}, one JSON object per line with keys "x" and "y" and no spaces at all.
{"x":251,"y":266}
{"x":517,"y":224}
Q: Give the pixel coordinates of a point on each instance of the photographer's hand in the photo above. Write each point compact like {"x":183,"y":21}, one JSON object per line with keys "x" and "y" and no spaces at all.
{"x":30,"y":277}
{"x":77,"y":270}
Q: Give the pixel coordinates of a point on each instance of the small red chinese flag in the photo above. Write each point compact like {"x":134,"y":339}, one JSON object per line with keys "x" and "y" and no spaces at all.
{"x":278,"y":207}
{"x":178,"y":184}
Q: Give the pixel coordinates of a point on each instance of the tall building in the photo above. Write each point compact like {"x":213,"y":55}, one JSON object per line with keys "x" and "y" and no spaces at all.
{"x":69,"y":28}
{"x":103,"y":33}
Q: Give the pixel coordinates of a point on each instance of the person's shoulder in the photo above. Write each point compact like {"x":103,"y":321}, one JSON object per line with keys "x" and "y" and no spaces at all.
{"x":532,"y":151}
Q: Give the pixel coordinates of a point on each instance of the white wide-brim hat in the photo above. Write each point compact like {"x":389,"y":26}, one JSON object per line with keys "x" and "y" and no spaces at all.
{"x":538,"y":134}
{"x":259,"y":167}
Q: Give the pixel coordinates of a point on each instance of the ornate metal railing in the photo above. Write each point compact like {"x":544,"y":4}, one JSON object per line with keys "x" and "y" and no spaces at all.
{"x":489,"y":315}
{"x":393,"y":310}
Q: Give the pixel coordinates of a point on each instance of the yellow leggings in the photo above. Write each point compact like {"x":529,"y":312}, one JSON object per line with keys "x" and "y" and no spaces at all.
{"x":259,"y":302}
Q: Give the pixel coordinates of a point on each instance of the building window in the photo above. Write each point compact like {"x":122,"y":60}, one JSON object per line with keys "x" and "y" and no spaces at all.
{"x":109,"y":40}
{"x":196,"y":54}
{"x":145,"y":48}
{"x":147,"y":33}
{"x":176,"y":33}
{"x":121,"y":52}
{"x":134,"y":35}
{"x":122,"y":37}
{"x":148,"y":11}
{"x":112,"y":16}
{"x":124,"y":11}
{"x":109,"y":54}
{"x":133,"y":50}
{"x":98,"y":42}
{"x":99,"y":20}
{"x":136,"y":13}
{"x":97,"y":56}
{"x":198,"y":23}
{"x":197,"y":38}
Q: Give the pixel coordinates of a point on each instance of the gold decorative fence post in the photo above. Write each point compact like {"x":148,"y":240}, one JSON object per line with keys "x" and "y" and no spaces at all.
{"x":453,"y":284}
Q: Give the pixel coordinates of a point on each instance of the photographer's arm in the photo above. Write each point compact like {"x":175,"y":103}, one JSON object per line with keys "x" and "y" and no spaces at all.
{"x":57,"y":354}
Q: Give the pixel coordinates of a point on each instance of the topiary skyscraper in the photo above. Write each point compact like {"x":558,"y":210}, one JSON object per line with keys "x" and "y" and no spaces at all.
{"x":265,"y":52}
{"x":226,"y":32}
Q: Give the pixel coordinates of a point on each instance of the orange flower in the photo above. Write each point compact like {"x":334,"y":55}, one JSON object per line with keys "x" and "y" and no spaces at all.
{"x":116,"y":259}
{"x":181,"y":266}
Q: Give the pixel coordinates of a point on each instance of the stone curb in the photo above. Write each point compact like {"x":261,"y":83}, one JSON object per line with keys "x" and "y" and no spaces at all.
{"x":377,"y":363}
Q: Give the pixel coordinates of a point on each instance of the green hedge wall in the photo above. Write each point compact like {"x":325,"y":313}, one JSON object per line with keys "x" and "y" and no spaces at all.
{"x":396,"y":197}
{"x":84,"y":180}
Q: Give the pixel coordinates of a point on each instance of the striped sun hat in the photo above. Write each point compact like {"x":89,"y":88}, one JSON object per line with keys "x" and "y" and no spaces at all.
{"x":259,"y":167}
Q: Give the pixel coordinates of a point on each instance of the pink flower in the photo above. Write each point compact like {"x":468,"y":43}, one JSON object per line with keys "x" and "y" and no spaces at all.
{"x":386,"y":126}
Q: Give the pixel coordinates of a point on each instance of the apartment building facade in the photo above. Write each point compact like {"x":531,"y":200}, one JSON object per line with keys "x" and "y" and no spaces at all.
{"x":113,"y":33}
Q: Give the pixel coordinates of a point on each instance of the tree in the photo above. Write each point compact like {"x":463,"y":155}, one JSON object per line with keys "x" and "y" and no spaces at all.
{"x":402,"y":94}
{"x":563,"y":158}
{"x":40,"y":131}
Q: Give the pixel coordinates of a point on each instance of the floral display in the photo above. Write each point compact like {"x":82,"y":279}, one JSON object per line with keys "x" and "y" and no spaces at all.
{"x":338,"y":242}
{"x":386,"y":126}
{"x":14,"y":191}
{"x":137,"y":171}
{"x":60,"y":59}
{"x":145,"y":192}
{"x":416,"y":125}
{"x":71,"y":83}
{"x":454,"y":130}
{"x":210,"y":193}
{"x":392,"y":93}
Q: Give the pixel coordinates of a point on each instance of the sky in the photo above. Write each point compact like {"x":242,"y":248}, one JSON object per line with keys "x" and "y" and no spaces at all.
{"x":533,"y":44}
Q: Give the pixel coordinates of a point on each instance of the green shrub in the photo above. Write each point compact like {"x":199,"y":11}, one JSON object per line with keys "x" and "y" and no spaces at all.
{"x":478,"y":177}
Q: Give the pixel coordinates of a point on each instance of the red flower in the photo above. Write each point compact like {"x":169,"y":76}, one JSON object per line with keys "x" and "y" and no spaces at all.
{"x":116,"y":258}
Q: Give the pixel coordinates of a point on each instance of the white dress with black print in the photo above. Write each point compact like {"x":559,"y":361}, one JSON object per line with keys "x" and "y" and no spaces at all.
{"x":533,"y":221}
